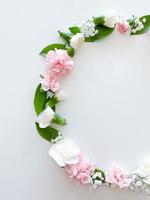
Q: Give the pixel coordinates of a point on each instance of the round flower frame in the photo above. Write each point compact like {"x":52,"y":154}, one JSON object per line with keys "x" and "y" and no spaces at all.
{"x":49,"y":93}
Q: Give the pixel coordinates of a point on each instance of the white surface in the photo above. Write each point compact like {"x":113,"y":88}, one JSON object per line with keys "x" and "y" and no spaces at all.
{"x":108,"y":108}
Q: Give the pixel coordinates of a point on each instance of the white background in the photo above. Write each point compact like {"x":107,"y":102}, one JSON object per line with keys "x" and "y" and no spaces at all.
{"x":108,"y":107}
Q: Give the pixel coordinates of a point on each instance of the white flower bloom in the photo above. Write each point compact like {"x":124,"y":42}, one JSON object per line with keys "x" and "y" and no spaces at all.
{"x":64,"y":152}
{"x":139,"y":26}
{"x":144,"y":168}
{"x":97,"y":174}
{"x":88,"y":29}
{"x":110,"y":19}
{"x":138,"y":183}
{"x":147,"y":180}
{"x":44,"y":119}
{"x":96,"y":184}
{"x":77,"y":40}
{"x":60,"y":95}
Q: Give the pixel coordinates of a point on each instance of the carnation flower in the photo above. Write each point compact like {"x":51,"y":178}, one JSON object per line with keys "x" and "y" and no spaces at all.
{"x":81,"y":170}
{"x":64,"y":152}
{"x":49,"y":82}
{"x":118,"y":177}
{"x":144,"y":168}
{"x":44,"y":118}
{"x":59,"y":63}
{"x":110,"y":19}
{"x":77,"y":40}
{"x":60,"y":95}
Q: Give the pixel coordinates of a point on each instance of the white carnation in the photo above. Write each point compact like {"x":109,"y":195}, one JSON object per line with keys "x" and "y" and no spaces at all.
{"x":64,"y":152}
{"x":60,"y":95}
{"x":77,"y":40}
{"x":144,"y":168}
{"x":110,"y":20}
{"x":44,"y":119}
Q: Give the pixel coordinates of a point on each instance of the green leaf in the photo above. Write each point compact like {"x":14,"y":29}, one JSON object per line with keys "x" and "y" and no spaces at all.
{"x":39,"y":99}
{"x":65,"y":36}
{"x":74,"y":29}
{"x":49,"y":103}
{"x":52,"y":101}
{"x":54,"y":108}
{"x":48,"y":133}
{"x":70,"y":51}
{"x":59,"y":120}
{"x":99,"y":20}
{"x":102,"y":33}
{"x":146,"y":22}
{"x":51,"y":47}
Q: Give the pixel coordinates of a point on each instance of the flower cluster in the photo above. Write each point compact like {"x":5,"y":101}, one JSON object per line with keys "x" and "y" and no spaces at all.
{"x":88,"y":29}
{"x":98,"y":178}
{"x":59,"y":64}
{"x":66,"y":154}
{"x":140,"y":183}
{"x":141,"y":178}
{"x":138,"y":25}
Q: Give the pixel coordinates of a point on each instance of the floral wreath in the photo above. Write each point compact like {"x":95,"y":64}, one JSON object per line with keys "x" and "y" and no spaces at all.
{"x":49,"y":93}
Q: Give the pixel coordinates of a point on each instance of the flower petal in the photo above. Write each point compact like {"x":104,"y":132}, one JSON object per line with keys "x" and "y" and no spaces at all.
{"x":45,"y":117}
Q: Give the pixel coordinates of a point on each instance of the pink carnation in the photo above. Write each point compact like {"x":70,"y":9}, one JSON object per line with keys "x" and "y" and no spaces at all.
{"x":122,"y":27}
{"x":117,"y":176}
{"x":59,"y":64}
{"x":49,"y":82}
{"x":81,"y":170}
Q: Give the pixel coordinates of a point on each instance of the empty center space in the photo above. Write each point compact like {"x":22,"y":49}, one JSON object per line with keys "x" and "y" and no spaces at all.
{"x":108,"y":103}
